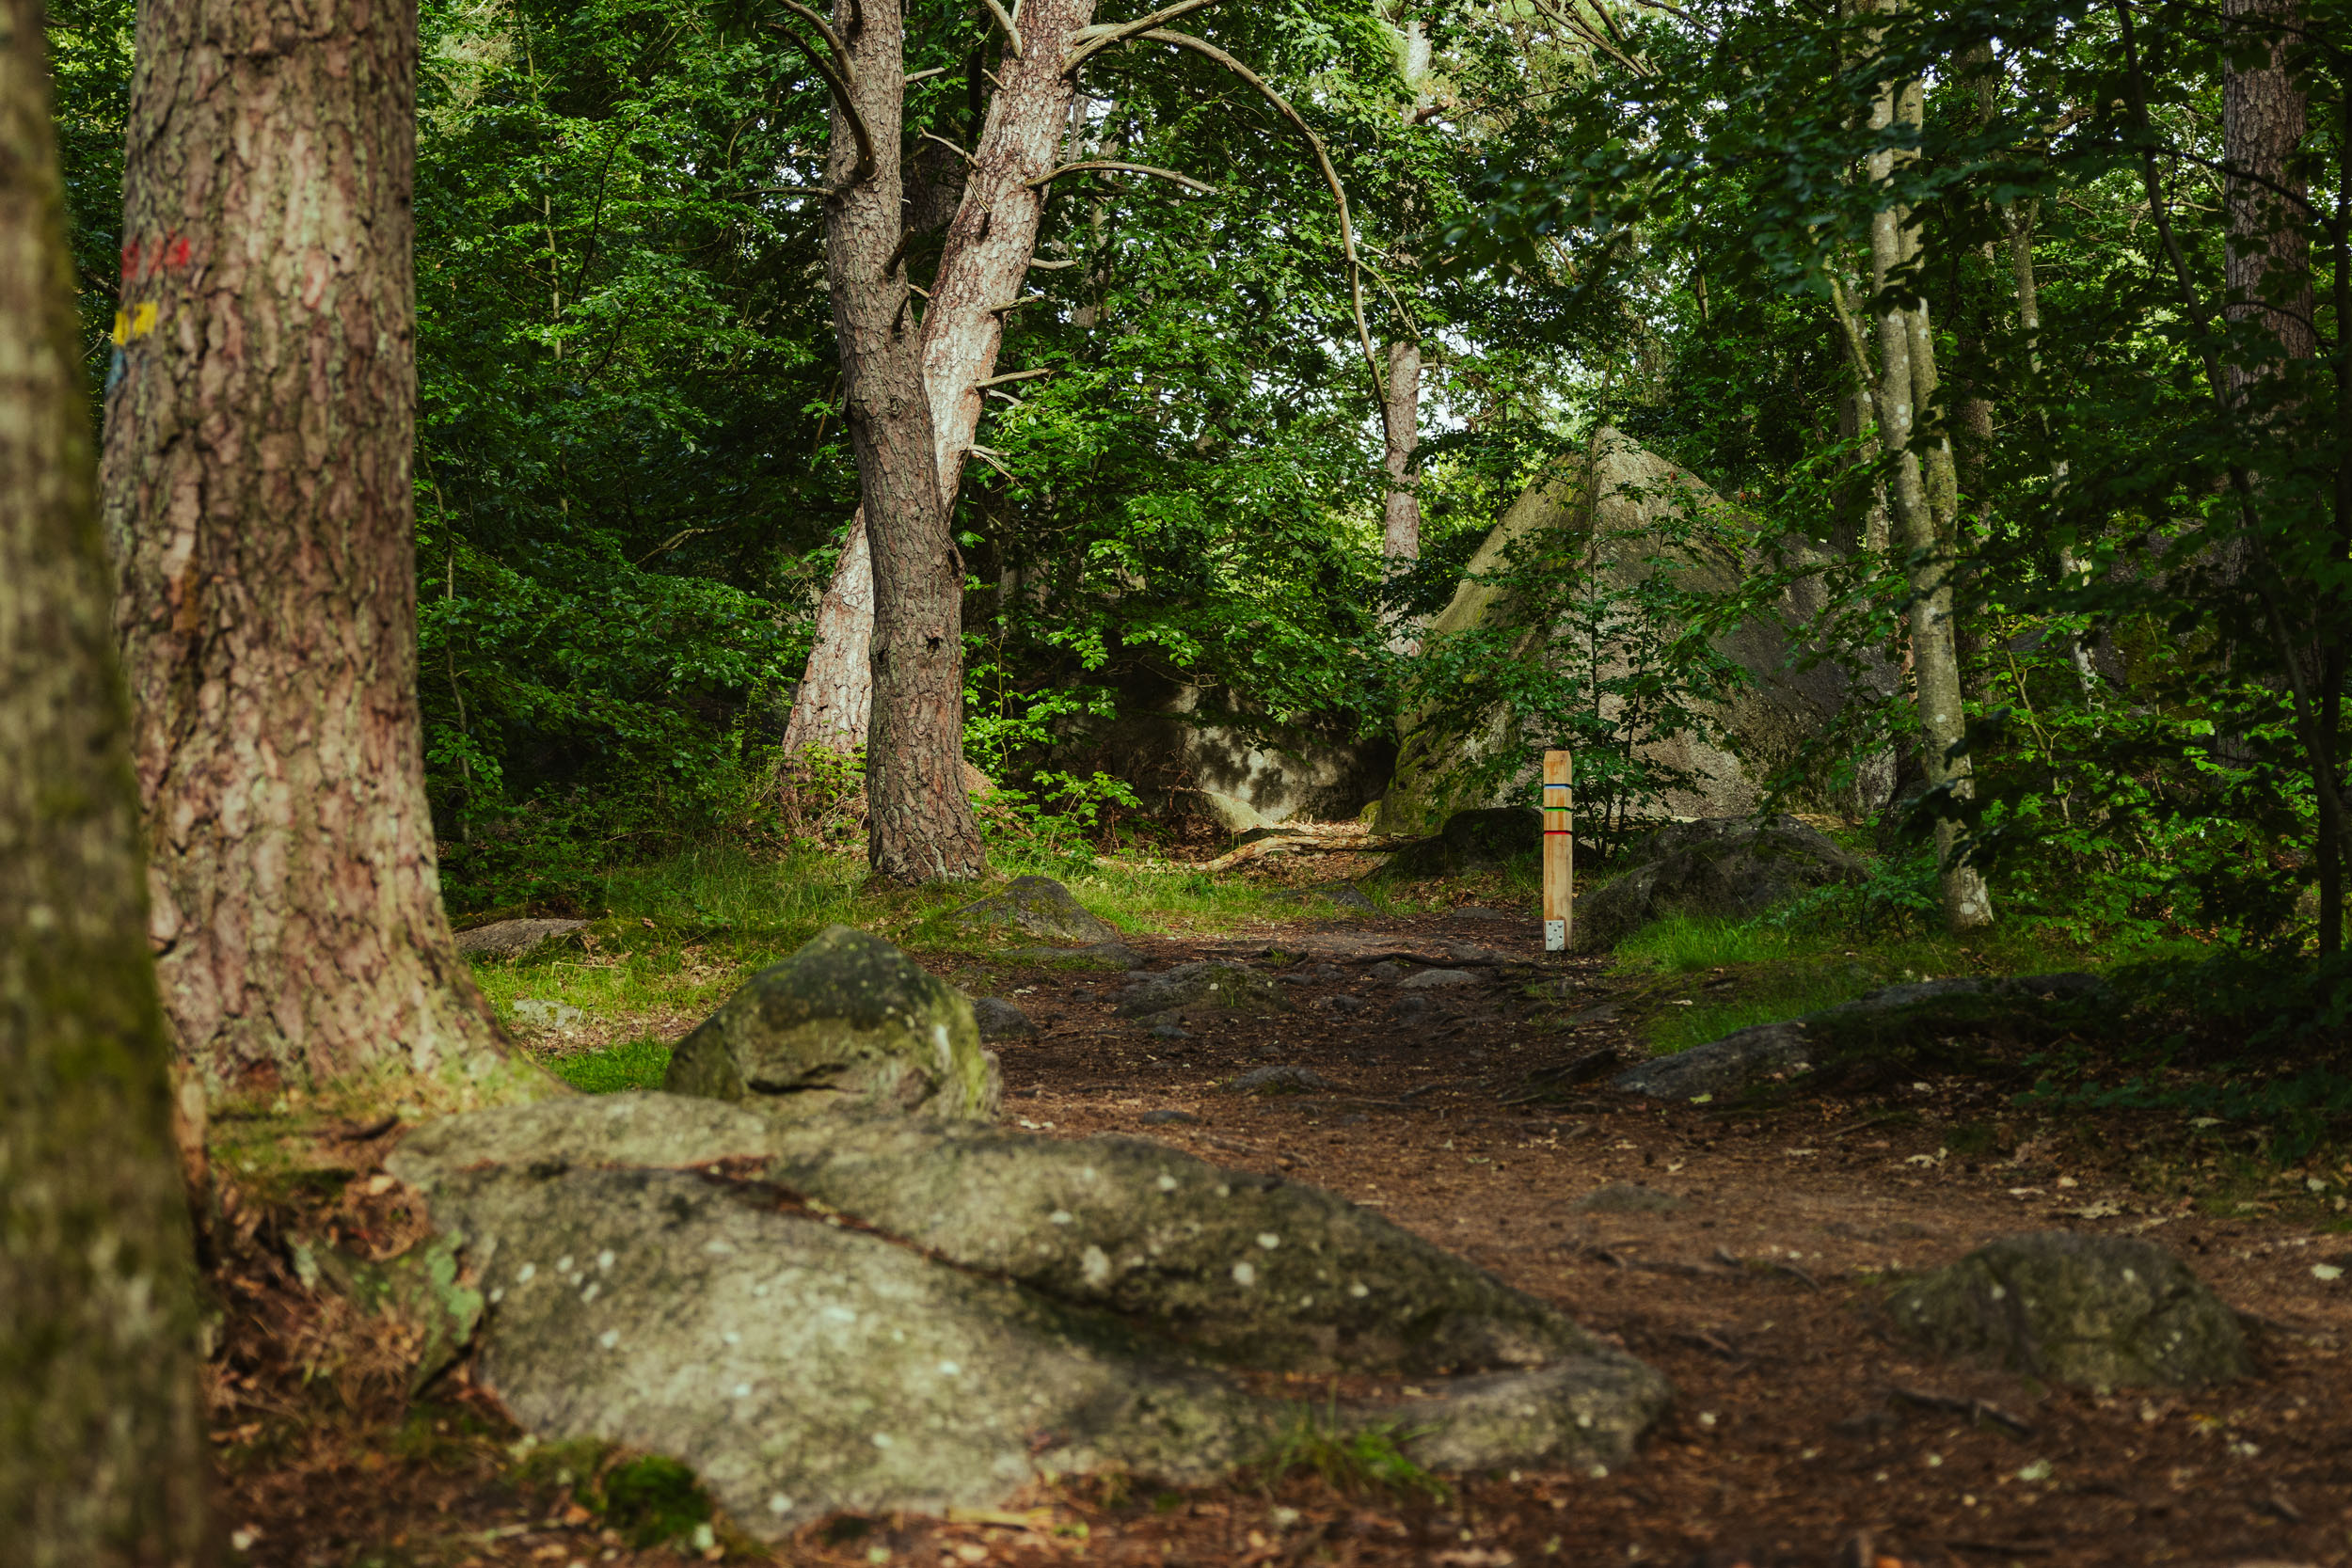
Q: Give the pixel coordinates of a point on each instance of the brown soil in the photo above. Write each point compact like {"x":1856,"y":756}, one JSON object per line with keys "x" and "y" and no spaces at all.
{"x":1803,"y":1432}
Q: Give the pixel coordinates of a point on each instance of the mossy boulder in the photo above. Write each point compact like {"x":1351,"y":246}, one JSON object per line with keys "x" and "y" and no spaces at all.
{"x":1489,"y":836}
{"x":1727,"y":866}
{"x":847,"y":1020}
{"x":1041,"y":907}
{"x":2088,"y":1312}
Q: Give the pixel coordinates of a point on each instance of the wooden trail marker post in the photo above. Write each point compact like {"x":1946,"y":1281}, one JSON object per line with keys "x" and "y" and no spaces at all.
{"x":1559,"y":843}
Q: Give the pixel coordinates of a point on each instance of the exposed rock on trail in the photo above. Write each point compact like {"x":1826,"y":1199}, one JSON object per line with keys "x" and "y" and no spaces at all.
{"x":846,"y":1018}
{"x":1763,"y":1051}
{"x":2093,"y":1312}
{"x":1728,"y":866}
{"x":1041,"y":907}
{"x":1487,"y":836}
{"x":1023,"y":1303}
{"x":1205,"y":985}
{"x":1000,"y":1019}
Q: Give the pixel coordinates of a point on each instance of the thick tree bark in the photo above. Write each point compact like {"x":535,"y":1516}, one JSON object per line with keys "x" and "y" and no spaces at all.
{"x":259,"y":501}
{"x":836,"y":694}
{"x":2268,"y":258}
{"x":919,"y":822}
{"x":1925,"y":491}
{"x":101,"y":1458}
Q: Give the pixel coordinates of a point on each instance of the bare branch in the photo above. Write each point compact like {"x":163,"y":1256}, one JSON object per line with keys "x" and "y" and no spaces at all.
{"x":952,"y":147}
{"x":990,"y":458}
{"x":1094,"y":39}
{"x":840,"y":78}
{"x":1013,"y":33}
{"x":1015,"y":303}
{"x":1050,"y":266}
{"x":1185,"y":180}
{"x":926,"y":75}
{"x":824,"y":30}
{"x":1015,"y":375}
{"x":1322,"y":161}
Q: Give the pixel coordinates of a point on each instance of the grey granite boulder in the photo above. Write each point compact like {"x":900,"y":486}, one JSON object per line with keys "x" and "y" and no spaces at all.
{"x":1207,"y":984}
{"x":2089,"y":1312}
{"x":1041,"y":907}
{"x":1728,"y":866}
{"x":676,"y":1276}
{"x":847,"y":1018}
{"x":512,"y":939}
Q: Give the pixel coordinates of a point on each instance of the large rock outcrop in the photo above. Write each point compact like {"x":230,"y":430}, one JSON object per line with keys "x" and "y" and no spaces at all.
{"x":878,"y":1313}
{"x":847,"y":1020}
{"x":1630,"y":503}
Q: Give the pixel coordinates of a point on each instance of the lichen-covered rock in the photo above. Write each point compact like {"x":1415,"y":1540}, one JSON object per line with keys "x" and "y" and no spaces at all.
{"x":1208,"y":985}
{"x":1252,"y":1268}
{"x":1044,"y":908}
{"x":1728,"y":866}
{"x":2089,"y":1312}
{"x":1738,"y":1061}
{"x":1020,"y":1306}
{"x":800,"y":1369}
{"x":849,"y":1019}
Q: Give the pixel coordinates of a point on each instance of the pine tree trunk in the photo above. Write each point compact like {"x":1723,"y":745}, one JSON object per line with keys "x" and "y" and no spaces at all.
{"x":1925,"y":491}
{"x":919,"y":825}
{"x":258,"y":499}
{"x":2268,"y":255}
{"x":101,"y":1460}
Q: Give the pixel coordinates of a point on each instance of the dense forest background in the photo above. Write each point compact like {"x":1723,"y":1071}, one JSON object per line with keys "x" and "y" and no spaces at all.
{"x":633,"y":480}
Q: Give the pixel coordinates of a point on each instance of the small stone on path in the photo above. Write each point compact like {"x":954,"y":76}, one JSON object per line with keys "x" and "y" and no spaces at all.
{"x":1000,"y":1019}
{"x":1169,"y":1119}
{"x":1285,"y":1079}
{"x":1043,"y":907}
{"x":1438,"y":979}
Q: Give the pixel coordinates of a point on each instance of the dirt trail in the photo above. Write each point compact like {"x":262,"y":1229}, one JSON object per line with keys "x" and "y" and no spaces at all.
{"x":1739,"y":1254}
{"x":1742,"y":1254}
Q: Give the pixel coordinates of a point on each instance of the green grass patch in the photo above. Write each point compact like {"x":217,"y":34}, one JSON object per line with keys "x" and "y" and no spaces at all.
{"x":638,"y":1064}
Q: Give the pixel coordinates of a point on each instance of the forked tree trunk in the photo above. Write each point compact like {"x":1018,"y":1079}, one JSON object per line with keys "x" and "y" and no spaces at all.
{"x":991,"y":243}
{"x":259,"y":501}
{"x":101,"y":1460}
{"x":919,"y":822}
{"x":1925,"y":492}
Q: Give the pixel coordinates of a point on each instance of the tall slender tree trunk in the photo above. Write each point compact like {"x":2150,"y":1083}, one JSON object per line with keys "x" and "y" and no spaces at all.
{"x":2020,"y":222}
{"x":258,"y":499}
{"x":1926,"y":495}
{"x":1400,"y":405}
{"x":101,"y":1458}
{"x":919,"y":822}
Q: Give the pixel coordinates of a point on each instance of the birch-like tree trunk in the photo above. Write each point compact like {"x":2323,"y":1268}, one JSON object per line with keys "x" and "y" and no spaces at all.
{"x":259,"y":501}
{"x":1400,"y":408}
{"x":836,"y":694}
{"x":101,"y":1458}
{"x":1926,"y":495}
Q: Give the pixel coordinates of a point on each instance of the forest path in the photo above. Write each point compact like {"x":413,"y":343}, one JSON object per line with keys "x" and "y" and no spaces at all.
{"x":1741,"y":1254}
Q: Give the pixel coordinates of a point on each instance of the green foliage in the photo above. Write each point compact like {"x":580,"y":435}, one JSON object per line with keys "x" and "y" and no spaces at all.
{"x":638,"y":1064}
{"x":654,"y":1499}
{"x":1365,"y":1459}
